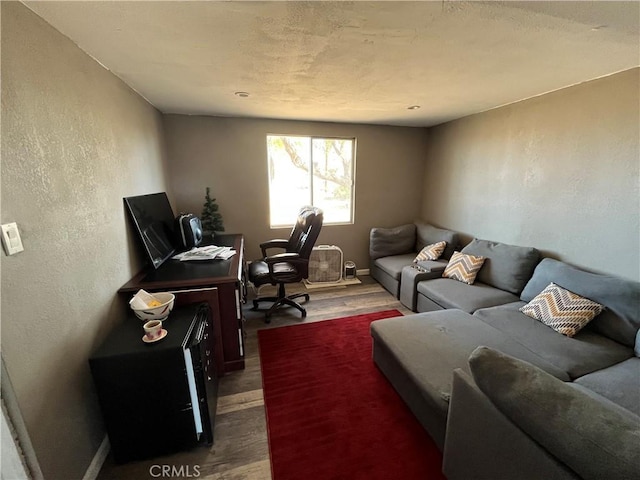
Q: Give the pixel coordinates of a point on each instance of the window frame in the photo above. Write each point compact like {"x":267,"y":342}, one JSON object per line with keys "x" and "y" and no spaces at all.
{"x":311,"y":138}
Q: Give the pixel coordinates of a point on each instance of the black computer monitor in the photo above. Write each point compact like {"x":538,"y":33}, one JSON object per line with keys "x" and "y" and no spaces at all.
{"x":154,"y":222}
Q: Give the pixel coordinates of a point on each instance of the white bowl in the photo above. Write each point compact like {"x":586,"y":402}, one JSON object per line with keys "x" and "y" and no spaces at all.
{"x":160,"y":312}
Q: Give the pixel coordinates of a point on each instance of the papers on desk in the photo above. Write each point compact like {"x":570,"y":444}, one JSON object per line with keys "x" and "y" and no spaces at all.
{"x":210,"y":252}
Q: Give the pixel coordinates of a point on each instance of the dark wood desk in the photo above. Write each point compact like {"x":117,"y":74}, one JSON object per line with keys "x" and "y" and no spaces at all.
{"x":220,"y":283}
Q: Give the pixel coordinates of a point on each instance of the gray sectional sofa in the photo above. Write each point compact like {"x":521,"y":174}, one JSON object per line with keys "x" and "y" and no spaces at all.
{"x":487,"y":427}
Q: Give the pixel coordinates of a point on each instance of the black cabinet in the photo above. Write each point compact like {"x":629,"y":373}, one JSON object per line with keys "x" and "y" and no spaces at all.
{"x":160,"y":397}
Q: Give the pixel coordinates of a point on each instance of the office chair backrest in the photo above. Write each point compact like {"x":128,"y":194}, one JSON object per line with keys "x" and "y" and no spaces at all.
{"x":305,"y":232}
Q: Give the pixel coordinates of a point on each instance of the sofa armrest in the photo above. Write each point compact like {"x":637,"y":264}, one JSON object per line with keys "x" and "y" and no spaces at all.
{"x":431,"y":267}
{"x":482,"y":443}
{"x":384,"y":242}
{"x":415,"y":273}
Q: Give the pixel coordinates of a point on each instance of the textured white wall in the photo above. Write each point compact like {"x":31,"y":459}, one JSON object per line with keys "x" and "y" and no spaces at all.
{"x":75,"y":140}
{"x":230,"y":156}
{"x":558,"y":172}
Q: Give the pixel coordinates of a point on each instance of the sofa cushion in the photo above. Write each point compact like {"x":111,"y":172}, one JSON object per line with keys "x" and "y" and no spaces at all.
{"x":588,"y":351}
{"x":427,"y":234}
{"x":508,"y":267}
{"x":384,"y":242}
{"x":621,"y":297}
{"x":562,"y":310}
{"x":429,"y":346}
{"x":430,"y":252}
{"x":593,"y":436}
{"x":620,"y":383}
{"x":452,"y":294}
{"x":393,"y":265}
{"x":463,"y":268}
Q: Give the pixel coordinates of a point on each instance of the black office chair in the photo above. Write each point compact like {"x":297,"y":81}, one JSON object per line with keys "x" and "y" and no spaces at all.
{"x":291,"y":266}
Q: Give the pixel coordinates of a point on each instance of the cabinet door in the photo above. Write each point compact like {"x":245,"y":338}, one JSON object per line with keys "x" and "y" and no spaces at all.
{"x":205,"y":378}
{"x":214,"y":347}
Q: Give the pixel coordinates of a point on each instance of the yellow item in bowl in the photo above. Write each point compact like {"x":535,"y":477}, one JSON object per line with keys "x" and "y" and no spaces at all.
{"x":152,"y":307}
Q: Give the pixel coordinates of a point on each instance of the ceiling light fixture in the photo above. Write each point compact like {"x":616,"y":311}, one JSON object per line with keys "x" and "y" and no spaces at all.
{"x":413,"y":107}
{"x":241,"y":94}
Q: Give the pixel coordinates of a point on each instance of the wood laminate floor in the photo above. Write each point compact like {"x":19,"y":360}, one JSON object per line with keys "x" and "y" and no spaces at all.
{"x":240,"y":450}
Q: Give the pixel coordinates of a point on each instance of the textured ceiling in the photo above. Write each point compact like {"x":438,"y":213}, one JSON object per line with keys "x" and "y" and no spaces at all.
{"x":362,"y":62}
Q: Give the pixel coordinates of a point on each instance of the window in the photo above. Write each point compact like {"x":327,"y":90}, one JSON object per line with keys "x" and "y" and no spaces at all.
{"x":310,"y":171}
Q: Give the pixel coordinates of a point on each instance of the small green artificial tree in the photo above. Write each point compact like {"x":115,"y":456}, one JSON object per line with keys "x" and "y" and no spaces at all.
{"x":211,"y":219}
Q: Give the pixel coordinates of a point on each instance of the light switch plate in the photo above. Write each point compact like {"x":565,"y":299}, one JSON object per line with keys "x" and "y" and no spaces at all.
{"x":11,"y":238}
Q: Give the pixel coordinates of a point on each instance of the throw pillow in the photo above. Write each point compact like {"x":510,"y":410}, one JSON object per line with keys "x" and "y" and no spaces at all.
{"x":463,"y":267}
{"x":431,"y":252}
{"x":564,"y":311}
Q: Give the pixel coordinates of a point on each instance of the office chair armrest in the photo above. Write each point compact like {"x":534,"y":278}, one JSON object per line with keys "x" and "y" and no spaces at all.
{"x":275,"y":243}
{"x":289,"y":257}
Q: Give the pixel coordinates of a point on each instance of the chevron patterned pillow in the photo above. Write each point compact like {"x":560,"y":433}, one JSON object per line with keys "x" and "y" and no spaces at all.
{"x":431,"y":252}
{"x":463,"y":267}
{"x":562,"y":310}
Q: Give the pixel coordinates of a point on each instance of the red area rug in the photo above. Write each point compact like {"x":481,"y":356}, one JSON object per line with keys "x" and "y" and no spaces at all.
{"x":331,"y":414}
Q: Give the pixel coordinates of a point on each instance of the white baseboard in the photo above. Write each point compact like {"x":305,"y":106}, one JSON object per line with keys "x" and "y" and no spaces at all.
{"x":364,"y":271}
{"x":98,"y":460}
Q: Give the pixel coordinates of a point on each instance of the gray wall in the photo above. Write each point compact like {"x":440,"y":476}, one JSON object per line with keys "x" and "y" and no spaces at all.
{"x":558,"y":172}
{"x":75,"y":140}
{"x":230,"y":156}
